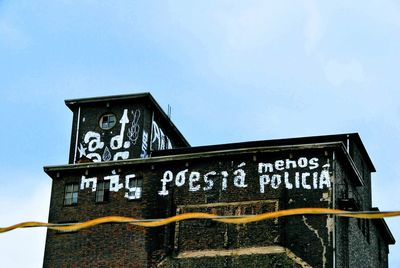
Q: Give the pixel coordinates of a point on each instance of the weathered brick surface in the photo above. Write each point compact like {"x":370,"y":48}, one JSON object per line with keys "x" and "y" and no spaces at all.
{"x":357,"y":240}
{"x":149,"y":246}
{"x":256,"y":261}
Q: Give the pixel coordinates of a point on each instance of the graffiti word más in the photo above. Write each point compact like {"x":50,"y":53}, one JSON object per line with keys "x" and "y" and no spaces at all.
{"x":115,"y":185}
{"x":193,"y":179}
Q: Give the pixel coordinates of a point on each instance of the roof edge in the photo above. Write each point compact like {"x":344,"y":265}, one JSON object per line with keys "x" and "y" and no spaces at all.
{"x":71,"y":103}
{"x":183,"y":157}
{"x":297,"y":140}
{"x":382,"y":225}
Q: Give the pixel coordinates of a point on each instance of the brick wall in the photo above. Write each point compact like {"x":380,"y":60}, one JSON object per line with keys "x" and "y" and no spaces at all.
{"x":240,"y":186}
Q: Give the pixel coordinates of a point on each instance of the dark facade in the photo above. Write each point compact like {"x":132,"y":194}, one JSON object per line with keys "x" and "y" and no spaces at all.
{"x":119,"y":128}
{"x":143,"y":167}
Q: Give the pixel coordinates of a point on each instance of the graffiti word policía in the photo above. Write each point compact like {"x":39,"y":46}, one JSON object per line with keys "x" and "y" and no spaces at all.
{"x":303,"y":177}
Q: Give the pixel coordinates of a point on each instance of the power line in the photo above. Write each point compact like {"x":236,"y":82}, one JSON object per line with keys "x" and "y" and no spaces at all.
{"x":237,"y":219}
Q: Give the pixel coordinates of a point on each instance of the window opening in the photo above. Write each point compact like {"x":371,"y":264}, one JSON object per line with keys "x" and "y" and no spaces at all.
{"x":103,"y":191}
{"x":71,"y":194}
{"x":107,"y":121}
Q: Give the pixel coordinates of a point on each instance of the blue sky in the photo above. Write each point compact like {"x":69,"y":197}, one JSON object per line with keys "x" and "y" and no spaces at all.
{"x":232,"y":71}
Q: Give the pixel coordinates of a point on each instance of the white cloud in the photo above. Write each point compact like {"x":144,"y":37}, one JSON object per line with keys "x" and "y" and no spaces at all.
{"x":339,"y":73}
{"x":312,"y":29}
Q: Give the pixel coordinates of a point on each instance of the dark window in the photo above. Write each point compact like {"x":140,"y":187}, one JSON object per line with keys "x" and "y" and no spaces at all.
{"x":107,"y":121}
{"x":103,"y":191}
{"x":135,"y":188}
{"x":71,"y":194}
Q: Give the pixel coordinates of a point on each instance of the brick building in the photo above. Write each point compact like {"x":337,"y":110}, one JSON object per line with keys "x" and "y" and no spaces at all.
{"x":128,"y":159}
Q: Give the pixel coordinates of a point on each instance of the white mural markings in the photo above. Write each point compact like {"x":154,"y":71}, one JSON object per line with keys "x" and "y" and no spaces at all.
{"x":194,"y":179}
{"x":160,"y":141}
{"x":224,"y":180}
{"x":93,"y":140}
{"x":287,"y":173}
{"x":167,"y":177}
{"x":95,"y":149}
{"x":117,"y":141}
{"x":145,"y":140}
{"x":281,"y":174}
{"x":134,"y":192}
{"x":121,"y":155}
{"x":94,"y":144}
{"x":82,"y":150}
{"x":181,"y":178}
{"x":305,"y":180}
{"x":115,"y":185}
{"x":94,"y":156}
{"x":209,"y":183}
{"x":133,"y":131}
{"x":85,"y":183}
{"x":238,"y":181}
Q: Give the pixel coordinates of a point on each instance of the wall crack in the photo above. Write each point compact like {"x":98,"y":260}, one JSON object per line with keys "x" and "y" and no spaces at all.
{"x":315,"y":231}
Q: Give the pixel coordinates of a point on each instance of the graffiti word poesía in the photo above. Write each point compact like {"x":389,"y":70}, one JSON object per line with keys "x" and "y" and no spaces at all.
{"x":286,"y":173}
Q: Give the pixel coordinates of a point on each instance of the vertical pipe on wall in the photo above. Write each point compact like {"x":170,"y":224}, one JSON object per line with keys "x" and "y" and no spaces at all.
{"x":334,"y":206}
{"x":151,"y":135}
{"x":77,"y":133}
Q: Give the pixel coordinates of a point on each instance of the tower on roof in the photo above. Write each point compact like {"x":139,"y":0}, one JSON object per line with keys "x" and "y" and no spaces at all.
{"x":119,"y":128}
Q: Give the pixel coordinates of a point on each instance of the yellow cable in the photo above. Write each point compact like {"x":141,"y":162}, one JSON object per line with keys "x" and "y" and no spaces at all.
{"x":70,"y":227}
